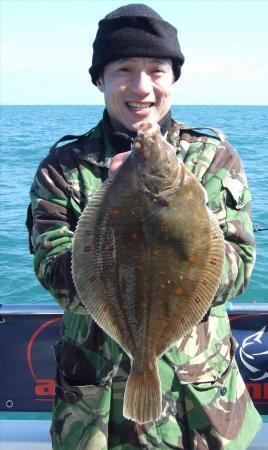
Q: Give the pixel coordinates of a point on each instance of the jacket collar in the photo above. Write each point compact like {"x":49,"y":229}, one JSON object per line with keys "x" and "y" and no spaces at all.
{"x":103,"y":143}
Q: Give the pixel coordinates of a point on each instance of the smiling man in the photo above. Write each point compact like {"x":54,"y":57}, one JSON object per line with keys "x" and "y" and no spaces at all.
{"x":136,"y":62}
{"x":137,"y":90}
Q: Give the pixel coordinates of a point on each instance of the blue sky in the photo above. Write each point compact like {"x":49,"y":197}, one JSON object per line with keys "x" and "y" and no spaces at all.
{"x":47,"y":48}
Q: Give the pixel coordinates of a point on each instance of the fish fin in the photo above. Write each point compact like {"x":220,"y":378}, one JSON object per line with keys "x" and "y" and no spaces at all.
{"x":205,"y":291}
{"x":214,"y":266}
{"x":210,"y":278}
{"x":143,"y":399}
{"x":85,"y":276}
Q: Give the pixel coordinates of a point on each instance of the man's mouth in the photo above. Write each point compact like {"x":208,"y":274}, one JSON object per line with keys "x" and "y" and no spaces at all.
{"x":136,"y":106}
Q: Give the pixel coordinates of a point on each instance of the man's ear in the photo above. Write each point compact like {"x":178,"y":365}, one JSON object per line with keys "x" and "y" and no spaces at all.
{"x":100,"y":84}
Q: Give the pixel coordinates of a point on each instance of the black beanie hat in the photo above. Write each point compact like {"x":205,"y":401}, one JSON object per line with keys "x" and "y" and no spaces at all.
{"x":134,"y":30}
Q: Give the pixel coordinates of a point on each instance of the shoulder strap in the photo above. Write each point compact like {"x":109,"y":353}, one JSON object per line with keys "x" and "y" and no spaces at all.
{"x":70,"y":137}
{"x":29,"y":225}
{"x":218,"y":132}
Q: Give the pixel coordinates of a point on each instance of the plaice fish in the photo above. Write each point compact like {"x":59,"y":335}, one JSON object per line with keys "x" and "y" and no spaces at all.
{"x":147,"y":261}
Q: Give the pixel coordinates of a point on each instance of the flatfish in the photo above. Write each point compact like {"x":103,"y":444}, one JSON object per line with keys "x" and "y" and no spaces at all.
{"x":147,"y":260}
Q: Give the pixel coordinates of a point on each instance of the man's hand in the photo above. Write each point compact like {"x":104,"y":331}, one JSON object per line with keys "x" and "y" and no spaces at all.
{"x":117,"y":161}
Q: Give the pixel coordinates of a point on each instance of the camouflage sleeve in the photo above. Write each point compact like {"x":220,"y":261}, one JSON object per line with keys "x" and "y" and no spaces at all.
{"x":233,"y":209}
{"x":53,"y":223}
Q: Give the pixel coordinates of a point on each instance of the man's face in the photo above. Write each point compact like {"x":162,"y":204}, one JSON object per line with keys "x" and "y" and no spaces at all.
{"x":136,"y":90}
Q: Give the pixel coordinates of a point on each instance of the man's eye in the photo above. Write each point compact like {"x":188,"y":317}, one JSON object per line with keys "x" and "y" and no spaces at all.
{"x":158,"y":70}
{"x":124,"y":69}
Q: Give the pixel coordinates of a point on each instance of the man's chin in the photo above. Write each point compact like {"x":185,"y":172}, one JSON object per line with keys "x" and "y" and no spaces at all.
{"x":131,"y":125}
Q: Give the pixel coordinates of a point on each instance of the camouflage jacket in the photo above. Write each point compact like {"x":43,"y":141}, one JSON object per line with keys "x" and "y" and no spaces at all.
{"x":65,"y":181}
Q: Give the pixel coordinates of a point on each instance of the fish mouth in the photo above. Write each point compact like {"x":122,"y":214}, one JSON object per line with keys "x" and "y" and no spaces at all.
{"x":139,"y":107}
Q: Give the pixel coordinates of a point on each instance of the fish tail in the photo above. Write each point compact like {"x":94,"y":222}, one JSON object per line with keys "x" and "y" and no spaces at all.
{"x":142,"y":399}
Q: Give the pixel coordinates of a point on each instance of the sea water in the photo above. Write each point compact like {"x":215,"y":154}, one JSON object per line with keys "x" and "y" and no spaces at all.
{"x":27,"y":133}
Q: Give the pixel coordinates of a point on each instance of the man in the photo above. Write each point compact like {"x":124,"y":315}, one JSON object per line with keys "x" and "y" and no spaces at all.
{"x":136,"y":61}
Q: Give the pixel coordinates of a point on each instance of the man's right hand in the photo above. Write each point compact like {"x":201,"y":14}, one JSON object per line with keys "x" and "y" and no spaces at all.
{"x":117,"y":161}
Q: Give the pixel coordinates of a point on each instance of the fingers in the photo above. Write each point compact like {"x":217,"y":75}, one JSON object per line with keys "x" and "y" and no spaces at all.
{"x":117,"y":161}
{"x":147,"y":127}
{"x":147,"y":135}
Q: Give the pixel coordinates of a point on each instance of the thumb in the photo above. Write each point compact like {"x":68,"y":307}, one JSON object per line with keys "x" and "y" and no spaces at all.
{"x":117,"y":161}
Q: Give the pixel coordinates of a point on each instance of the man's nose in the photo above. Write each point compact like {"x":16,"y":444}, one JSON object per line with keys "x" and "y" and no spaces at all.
{"x":142,"y":83}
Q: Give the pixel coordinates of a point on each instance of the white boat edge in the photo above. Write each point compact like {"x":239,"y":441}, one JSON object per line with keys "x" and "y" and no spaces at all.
{"x":34,"y":435}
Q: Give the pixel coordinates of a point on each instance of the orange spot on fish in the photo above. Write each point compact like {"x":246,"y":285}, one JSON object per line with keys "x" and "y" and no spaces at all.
{"x":190,"y":195}
{"x":197,"y":300}
{"x":178,"y":290}
{"x":87,"y":248}
{"x":192,"y":258}
{"x":134,"y":236}
{"x":205,"y":283}
{"x":88,"y":232}
{"x":116,"y":212}
{"x":143,"y":305}
{"x":92,"y":279}
{"x":213,"y":261}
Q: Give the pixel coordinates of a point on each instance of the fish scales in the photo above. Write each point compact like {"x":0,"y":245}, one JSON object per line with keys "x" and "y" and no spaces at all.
{"x":147,"y":260}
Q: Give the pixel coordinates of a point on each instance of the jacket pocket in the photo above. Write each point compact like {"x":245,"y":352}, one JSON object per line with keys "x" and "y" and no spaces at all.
{"x":80,"y":417}
{"x":93,"y":394}
{"x":218,"y":377}
{"x":80,"y":371}
{"x":235,"y":190}
{"x":204,"y":354}
{"x":233,"y":195}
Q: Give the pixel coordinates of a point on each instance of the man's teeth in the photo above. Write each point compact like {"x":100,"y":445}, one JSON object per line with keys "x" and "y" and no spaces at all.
{"x":139,"y":105}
